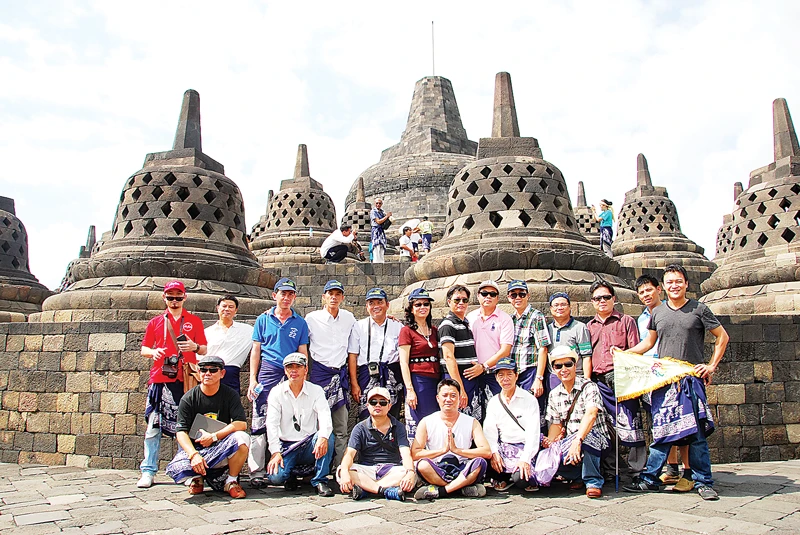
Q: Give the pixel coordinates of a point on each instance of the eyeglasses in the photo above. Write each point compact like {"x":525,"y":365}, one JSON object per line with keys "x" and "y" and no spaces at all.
{"x":569,"y":364}
{"x":460,"y":300}
{"x":296,"y":423}
{"x":489,"y":294}
{"x":209,"y":370}
{"x":174,"y":297}
{"x":598,"y":298}
{"x":420,"y":304}
{"x":381,"y":402}
{"x":520,"y":295}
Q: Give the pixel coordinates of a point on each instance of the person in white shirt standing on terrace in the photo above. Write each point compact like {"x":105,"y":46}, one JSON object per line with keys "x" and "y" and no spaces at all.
{"x":333,"y":337}
{"x":512,"y":430}
{"x":230,"y":340}
{"x":334,"y":248}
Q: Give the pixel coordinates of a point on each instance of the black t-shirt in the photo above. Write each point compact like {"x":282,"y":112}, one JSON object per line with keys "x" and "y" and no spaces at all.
{"x":681,"y":332}
{"x":364,"y":440}
{"x":225,"y":406}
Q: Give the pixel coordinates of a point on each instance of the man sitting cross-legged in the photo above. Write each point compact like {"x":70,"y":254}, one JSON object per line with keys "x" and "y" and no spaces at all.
{"x":219,"y":456}
{"x":384,"y":464}
{"x":443,"y":449}
{"x":299,"y":428}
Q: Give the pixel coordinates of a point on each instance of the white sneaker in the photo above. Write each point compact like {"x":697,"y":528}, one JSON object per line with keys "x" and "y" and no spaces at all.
{"x":146,"y":481}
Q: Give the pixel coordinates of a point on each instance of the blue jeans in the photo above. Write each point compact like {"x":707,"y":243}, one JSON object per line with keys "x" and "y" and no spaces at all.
{"x":699,"y":460}
{"x":152,"y":445}
{"x":589,"y":470}
{"x":305,"y":455}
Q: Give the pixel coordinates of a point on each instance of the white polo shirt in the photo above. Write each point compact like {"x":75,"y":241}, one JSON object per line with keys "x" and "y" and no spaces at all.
{"x":390,"y":343}
{"x":331,"y":339}
{"x":232,"y":344}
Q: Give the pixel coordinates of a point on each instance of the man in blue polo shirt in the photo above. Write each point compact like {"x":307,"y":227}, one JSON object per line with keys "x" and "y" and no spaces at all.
{"x":276,"y":333}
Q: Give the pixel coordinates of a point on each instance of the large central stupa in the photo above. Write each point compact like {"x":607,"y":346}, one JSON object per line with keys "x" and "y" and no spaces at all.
{"x":509,"y":216}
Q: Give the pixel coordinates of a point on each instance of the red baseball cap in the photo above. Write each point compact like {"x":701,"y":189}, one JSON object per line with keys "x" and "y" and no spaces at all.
{"x":174,"y":285}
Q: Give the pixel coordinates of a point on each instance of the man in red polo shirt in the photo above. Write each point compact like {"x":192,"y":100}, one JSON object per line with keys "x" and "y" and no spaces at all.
{"x":166,"y":384}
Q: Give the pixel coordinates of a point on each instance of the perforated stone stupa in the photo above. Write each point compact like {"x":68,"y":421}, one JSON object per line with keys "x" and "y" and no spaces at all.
{"x":178,"y":217}
{"x":299,"y":218}
{"x":413,"y":176}
{"x":724,"y":237}
{"x":761,"y":270}
{"x":357,"y":215}
{"x":649,"y":235}
{"x":509,"y":216}
{"x":21,"y":293}
{"x":587,"y":222}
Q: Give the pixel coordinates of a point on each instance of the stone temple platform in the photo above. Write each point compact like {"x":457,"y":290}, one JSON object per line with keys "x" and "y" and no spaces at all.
{"x":755,"y":498}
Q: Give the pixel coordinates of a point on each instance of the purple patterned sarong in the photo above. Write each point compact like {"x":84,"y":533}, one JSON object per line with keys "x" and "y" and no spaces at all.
{"x":389,"y":376}
{"x":180,"y":468}
{"x":163,"y":399}
{"x":628,"y":423}
{"x":335,"y":383}
{"x":425,"y":388}
{"x":269,"y":376}
{"x":672,"y":408}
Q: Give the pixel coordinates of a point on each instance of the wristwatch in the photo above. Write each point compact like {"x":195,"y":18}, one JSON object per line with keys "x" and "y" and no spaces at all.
{"x":485,"y":368}
{"x":540,"y":377}
{"x":214,"y":437}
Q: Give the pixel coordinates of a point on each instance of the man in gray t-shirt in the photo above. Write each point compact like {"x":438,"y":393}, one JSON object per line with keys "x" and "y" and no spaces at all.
{"x":681,"y":331}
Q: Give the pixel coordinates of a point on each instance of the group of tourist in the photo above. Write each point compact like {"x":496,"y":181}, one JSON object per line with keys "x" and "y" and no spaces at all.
{"x":507,"y":400}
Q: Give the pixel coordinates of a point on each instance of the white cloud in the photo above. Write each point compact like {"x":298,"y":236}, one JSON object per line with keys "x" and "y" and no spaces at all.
{"x":91,"y":88}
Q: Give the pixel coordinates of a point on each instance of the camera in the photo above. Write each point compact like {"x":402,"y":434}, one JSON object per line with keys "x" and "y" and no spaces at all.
{"x":373,"y":369}
{"x":170,"y":366}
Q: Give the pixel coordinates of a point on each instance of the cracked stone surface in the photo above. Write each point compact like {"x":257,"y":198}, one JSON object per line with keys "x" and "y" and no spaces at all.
{"x":755,"y":498}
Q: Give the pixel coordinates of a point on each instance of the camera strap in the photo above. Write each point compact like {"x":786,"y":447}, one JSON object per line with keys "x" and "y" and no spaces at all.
{"x":369,"y":338}
{"x":168,"y":328}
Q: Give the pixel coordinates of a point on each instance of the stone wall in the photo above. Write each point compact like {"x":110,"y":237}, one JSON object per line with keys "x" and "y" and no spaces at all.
{"x":74,"y":393}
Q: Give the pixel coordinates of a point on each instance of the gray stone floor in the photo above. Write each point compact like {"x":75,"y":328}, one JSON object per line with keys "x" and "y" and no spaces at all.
{"x":755,"y":498}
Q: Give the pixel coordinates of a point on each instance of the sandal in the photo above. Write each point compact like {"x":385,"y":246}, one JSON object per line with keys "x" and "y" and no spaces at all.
{"x":196,"y":486}
{"x":531,"y":488}
{"x":576,"y":485}
{"x":501,"y":486}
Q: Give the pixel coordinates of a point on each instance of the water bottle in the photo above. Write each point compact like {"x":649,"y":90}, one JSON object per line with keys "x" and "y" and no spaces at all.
{"x":257,"y":390}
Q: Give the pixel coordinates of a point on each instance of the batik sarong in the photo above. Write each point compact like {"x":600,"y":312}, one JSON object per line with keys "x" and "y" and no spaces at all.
{"x":269,"y":376}
{"x":180,"y":468}
{"x":510,"y":454}
{"x":425,"y":389}
{"x":628,"y":421}
{"x":163,"y":399}
{"x":479,"y":391}
{"x":389,"y":376}
{"x":672,"y":409}
{"x":335,"y":383}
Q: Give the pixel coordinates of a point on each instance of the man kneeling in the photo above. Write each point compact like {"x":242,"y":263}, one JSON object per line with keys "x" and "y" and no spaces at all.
{"x":218,"y":457}
{"x":577,"y":423}
{"x":442,"y":449}
{"x":385,"y":467}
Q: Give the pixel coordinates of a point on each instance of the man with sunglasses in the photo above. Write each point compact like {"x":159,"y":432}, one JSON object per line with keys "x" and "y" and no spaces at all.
{"x":458,"y":346}
{"x":384,"y":464}
{"x":377,"y":362}
{"x":299,"y":428}
{"x":219,"y":456}
{"x":578,"y":426}
{"x":493,"y":330}
{"x":175,"y":333}
{"x":276,"y":333}
{"x":612,"y":329}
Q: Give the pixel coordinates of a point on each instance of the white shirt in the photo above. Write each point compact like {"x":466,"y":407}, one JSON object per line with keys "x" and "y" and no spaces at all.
{"x":232,"y":344}
{"x":335,"y":238}
{"x":310,"y":409}
{"x":331,"y":339}
{"x":498,"y":425}
{"x":405,"y":240}
{"x":390,"y":344}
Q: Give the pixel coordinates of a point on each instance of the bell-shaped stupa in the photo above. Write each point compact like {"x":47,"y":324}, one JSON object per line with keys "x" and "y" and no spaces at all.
{"x":357,"y":215}
{"x":761,"y":270}
{"x":587,"y":222}
{"x":179,"y":217}
{"x":724,"y":238}
{"x":299,"y":218}
{"x":414,"y":175}
{"x":21,"y":294}
{"x":509,"y":216}
{"x":649,"y":235}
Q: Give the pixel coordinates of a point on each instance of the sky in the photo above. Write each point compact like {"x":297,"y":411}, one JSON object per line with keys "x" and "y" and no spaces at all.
{"x":89,"y":88}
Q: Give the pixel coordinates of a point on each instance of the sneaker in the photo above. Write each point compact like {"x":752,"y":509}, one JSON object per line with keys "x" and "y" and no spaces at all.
{"x":358,"y":493}
{"x":640,"y":485}
{"x":323,"y":489}
{"x":474,"y":491}
{"x":291,"y":484}
{"x":428,"y":492}
{"x":707,"y":493}
{"x":394,"y":493}
{"x":235,"y":490}
{"x":684,"y":485}
{"x":146,"y":481}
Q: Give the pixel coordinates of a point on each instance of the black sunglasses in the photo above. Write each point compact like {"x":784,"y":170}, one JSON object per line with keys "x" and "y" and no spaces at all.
{"x":213,"y":369}
{"x":381,"y":402}
{"x":521,"y":295}
{"x":420,"y":304}
{"x":569,"y":364}
{"x":174,"y":297}
{"x":460,"y":300}
{"x":296,"y":423}
{"x":489,"y":294}
{"x":607,"y":297}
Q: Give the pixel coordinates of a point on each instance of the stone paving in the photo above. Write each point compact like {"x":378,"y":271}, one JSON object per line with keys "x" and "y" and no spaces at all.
{"x":754,"y":498}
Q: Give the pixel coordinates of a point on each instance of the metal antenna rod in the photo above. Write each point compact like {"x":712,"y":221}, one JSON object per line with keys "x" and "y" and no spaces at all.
{"x":433,"y":53}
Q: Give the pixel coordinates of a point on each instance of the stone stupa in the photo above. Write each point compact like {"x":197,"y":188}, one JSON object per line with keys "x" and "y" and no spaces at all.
{"x":414,"y":175}
{"x":649,"y":235}
{"x":21,"y":293}
{"x":587,"y":222}
{"x":357,"y":216}
{"x":760,"y":273}
{"x":724,"y":238}
{"x":509,"y":216}
{"x":299,"y":218}
{"x":179,"y":217}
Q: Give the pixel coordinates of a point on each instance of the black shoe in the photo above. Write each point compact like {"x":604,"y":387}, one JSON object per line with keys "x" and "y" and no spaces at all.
{"x":640,"y":485}
{"x":291,"y":484}
{"x":324,"y":490}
